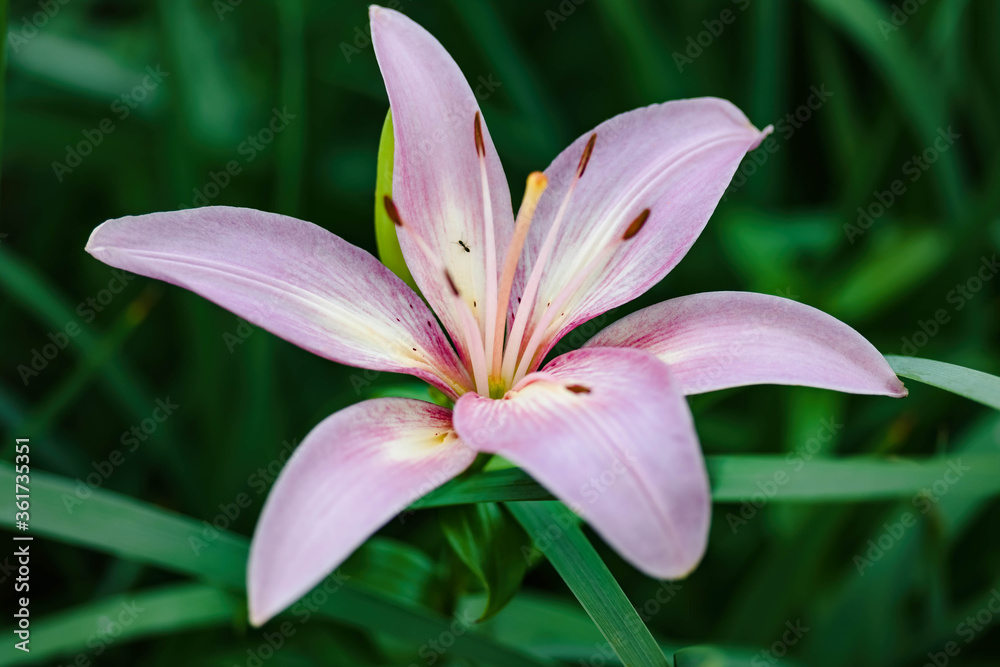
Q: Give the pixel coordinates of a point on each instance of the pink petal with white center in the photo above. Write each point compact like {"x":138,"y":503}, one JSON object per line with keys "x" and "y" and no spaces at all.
{"x":609,"y":432}
{"x":293,"y":278}
{"x":675,"y":159}
{"x":436,"y":184}
{"x":718,"y":340}
{"x":355,"y":471}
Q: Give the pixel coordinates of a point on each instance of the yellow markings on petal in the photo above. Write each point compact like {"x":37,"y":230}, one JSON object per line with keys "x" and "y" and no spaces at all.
{"x":420,"y":445}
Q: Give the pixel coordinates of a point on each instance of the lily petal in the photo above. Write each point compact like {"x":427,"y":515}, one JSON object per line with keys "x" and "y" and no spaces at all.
{"x":675,"y":159}
{"x":294,"y":279}
{"x":609,"y":432}
{"x":356,"y":470}
{"x":718,"y":340}
{"x":437,"y":186}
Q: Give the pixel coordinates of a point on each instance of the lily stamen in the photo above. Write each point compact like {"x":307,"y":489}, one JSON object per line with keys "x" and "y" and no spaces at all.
{"x":467,"y":320}
{"x":473,"y":340}
{"x":591,"y":268}
{"x":489,"y":331}
{"x":537,"y":182}
{"x":525,"y":308}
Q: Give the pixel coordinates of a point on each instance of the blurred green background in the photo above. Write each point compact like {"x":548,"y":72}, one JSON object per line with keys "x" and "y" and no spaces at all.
{"x":877,"y":199}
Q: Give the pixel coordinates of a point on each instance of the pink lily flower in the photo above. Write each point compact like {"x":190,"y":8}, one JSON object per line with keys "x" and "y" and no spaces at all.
{"x":606,"y":428}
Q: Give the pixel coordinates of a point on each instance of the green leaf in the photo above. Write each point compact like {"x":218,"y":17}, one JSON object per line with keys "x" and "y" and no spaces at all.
{"x":111,"y":523}
{"x":417,"y":390}
{"x":555,"y":532}
{"x":488,"y":541}
{"x":385,"y":230}
{"x":494,"y":486}
{"x":121,"y":619}
{"x":976,"y":385}
{"x":395,"y":568}
{"x":795,"y":477}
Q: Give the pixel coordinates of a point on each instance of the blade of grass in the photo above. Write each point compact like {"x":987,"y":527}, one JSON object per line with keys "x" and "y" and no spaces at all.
{"x":576,"y":561}
{"x":976,"y":385}
{"x":910,"y":79}
{"x":740,"y":478}
{"x":83,"y":629}
{"x":3,"y":72}
{"x":291,"y":142}
{"x":850,"y":595}
{"x":41,"y":299}
{"x":46,"y":415}
{"x":557,"y":627}
{"x":892,"y":267}
{"x":532,"y":100}
{"x":769,"y":84}
{"x":646,"y":58}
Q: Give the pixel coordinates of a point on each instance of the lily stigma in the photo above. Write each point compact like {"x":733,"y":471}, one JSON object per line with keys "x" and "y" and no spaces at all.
{"x":605,"y":222}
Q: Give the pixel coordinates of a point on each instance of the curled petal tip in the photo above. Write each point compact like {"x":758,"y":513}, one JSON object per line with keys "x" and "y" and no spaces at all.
{"x":256,"y":619}
{"x":762,"y":134}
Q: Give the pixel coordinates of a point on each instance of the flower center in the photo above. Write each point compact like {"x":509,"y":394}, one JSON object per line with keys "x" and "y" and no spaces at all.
{"x":499,"y":363}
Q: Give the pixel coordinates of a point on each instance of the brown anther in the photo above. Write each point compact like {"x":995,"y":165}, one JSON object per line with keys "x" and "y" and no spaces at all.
{"x":392,"y":211}
{"x":480,"y":146}
{"x":636,"y":225}
{"x":585,"y":158}
{"x":451,"y":282}
{"x":578,"y":389}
